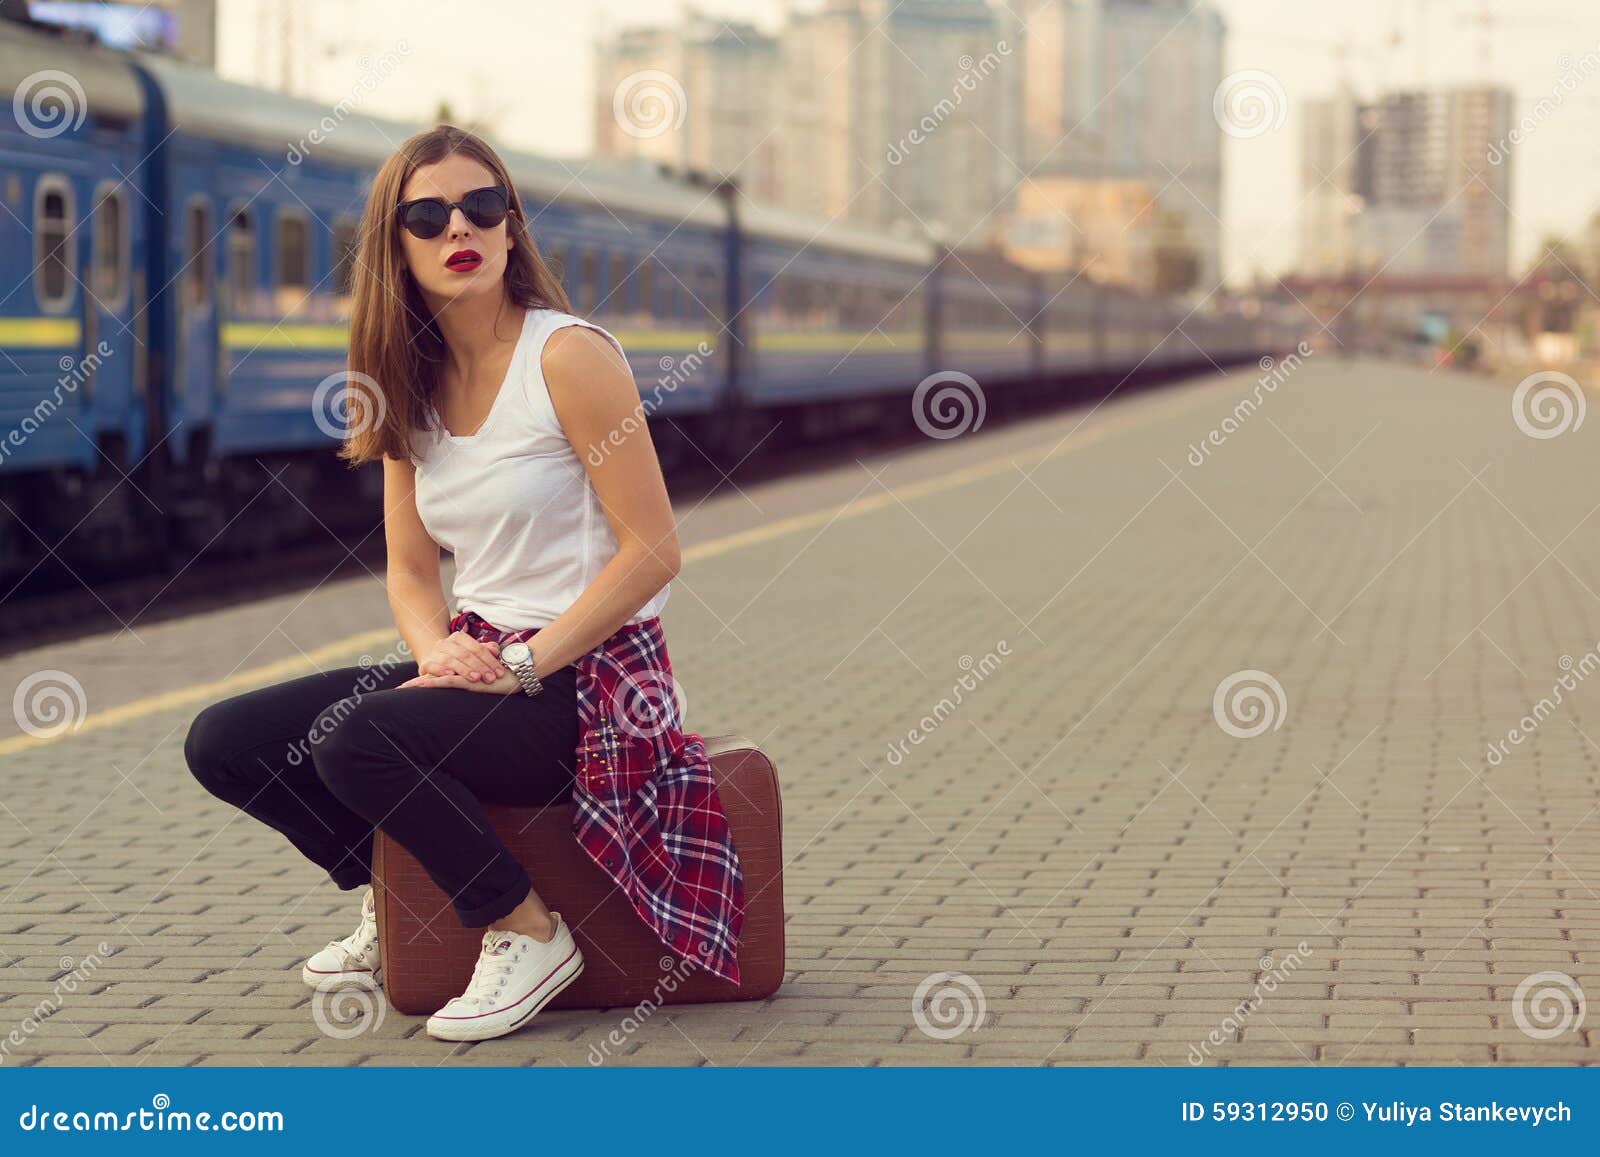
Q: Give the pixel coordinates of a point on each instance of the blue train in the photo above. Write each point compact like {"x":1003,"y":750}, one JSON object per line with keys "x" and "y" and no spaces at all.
{"x":177,"y":251}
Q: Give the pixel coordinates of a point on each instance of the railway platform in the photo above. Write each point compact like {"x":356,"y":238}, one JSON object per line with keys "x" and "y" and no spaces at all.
{"x":1176,"y":731}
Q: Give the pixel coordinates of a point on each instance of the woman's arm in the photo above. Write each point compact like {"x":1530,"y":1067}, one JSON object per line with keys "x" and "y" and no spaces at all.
{"x":598,"y":406}
{"x":416,"y":592}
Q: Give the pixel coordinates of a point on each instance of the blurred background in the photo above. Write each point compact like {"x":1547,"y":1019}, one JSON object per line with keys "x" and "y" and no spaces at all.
{"x":793,"y":214}
{"x":1451,"y":143}
{"x":1216,"y":368}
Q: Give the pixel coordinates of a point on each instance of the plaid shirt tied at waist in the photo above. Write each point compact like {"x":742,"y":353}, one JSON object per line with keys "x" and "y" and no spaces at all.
{"x":645,"y":808}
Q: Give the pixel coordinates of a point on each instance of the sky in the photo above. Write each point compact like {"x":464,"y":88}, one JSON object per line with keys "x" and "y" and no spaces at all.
{"x":528,"y":65}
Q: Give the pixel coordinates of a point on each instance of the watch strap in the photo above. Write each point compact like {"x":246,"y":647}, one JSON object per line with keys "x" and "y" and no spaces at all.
{"x":527,"y":676}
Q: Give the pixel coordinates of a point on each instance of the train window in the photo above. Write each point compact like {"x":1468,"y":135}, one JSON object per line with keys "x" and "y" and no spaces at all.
{"x":241,"y":261}
{"x":677,"y":295}
{"x":345,"y":233}
{"x":710,"y":293}
{"x":616,"y":292}
{"x":872,"y":305}
{"x":666,"y":293}
{"x":293,"y":259}
{"x":850,"y":304}
{"x":52,"y":249}
{"x":698,"y":291}
{"x":691,"y":287}
{"x":827,"y":303}
{"x":587,"y":272}
{"x":197,"y":252}
{"x":646,"y":302}
{"x":109,"y":254}
{"x":666,"y":300}
{"x":883,"y":308}
{"x":555,"y":259}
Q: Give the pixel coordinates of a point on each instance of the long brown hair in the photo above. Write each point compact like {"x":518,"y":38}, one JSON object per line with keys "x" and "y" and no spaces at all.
{"x":395,"y":346}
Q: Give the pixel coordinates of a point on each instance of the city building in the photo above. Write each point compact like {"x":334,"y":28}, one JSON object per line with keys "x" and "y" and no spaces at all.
{"x":1406,"y":184}
{"x":1107,"y":229}
{"x":699,"y":95}
{"x":940,"y":114}
{"x":1121,"y":91}
{"x":868,"y":110}
{"x":1335,"y":180}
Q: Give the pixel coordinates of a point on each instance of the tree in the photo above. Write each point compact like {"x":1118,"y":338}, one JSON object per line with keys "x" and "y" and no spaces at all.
{"x":1560,"y":286}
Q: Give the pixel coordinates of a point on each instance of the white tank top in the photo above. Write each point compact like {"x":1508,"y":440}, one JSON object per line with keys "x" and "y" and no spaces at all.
{"x":513,"y":502}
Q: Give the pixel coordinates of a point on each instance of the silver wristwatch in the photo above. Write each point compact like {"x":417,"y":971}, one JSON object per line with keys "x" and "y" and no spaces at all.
{"x":519,"y":657}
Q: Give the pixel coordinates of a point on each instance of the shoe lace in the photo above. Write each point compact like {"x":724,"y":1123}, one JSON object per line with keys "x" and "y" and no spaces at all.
{"x":359,"y":943}
{"x":492,"y":970}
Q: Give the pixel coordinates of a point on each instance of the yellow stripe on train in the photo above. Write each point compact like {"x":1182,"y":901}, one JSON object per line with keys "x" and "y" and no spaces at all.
{"x":40,"y":332}
{"x":252,"y":335}
{"x":647,"y":338}
{"x":278,"y":335}
{"x":841,"y":341}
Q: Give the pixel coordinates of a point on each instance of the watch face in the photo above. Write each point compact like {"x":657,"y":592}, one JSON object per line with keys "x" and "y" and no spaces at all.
{"x":517,"y":652}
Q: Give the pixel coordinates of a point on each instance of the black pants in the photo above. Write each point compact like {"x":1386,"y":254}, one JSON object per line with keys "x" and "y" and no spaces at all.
{"x":326,"y":758}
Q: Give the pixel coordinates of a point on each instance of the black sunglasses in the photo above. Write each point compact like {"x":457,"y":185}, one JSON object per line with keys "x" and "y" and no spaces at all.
{"x":427,"y":217}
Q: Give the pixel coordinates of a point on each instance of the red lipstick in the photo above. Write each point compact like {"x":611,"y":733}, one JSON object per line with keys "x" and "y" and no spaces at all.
{"x":464,"y":260}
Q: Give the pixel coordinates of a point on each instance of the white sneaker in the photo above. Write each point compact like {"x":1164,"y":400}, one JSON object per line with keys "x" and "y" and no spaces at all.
{"x":514,"y":978}
{"x":351,"y":962}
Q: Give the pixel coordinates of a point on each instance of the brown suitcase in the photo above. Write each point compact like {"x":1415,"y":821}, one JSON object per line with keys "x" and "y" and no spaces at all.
{"x":428,"y":956}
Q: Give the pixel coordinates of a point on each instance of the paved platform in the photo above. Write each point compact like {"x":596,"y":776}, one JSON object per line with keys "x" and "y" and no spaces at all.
{"x":1095,"y":748}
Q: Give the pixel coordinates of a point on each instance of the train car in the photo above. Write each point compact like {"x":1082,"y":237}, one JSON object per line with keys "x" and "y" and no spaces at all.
{"x":1073,"y":324}
{"x":835,"y":312}
{"x":1120,"y":325}
{"x":1168,"y":346}
{"x":650,"y":257}
{"x":256,"y":241}
{"x":182,"y":248}
{"x":986,"y":317}
{"x":73,"y":297}
{"x":269,"y":197}
{"x":1230,"y":338}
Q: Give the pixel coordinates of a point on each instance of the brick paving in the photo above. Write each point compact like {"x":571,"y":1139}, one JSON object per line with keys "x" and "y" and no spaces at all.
{"x":1116,"y":869}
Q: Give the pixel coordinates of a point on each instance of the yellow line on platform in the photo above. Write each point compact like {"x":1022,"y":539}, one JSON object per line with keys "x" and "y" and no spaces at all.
{"x":312,"y":661}
{"x":287,"y":668}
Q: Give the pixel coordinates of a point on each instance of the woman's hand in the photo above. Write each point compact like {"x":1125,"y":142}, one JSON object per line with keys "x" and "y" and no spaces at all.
{"x":504,"y":685}
{"x":460,"y":654}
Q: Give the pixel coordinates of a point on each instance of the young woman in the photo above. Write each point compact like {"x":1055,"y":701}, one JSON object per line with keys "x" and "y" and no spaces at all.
{"x":488,"y":402}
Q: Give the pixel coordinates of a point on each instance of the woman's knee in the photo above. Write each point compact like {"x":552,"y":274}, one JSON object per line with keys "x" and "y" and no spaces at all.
{"x":211,"y":746}
{"x":347,"y":750}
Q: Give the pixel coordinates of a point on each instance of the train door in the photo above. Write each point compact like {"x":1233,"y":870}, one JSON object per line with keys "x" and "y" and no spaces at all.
{"x":195,"y":368}
{"x":110,"y":352}
{"x":52,"y":342}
